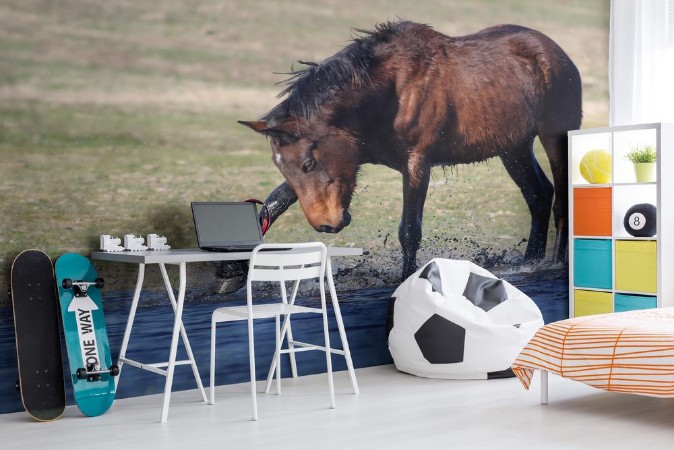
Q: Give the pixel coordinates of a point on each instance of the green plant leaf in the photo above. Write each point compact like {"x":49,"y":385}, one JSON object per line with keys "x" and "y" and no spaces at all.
{"x":645,"y":154}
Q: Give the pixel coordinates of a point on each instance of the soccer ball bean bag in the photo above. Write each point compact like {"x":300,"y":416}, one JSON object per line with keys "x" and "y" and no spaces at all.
{"x":454,"y":319}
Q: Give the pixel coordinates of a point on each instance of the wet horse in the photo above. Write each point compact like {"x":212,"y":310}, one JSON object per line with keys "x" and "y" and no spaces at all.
{"x":410,"y":98}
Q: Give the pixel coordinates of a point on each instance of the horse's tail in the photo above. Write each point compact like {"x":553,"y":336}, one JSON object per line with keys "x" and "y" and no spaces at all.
{"x":561,"y":111}
{"x":562,"y":108}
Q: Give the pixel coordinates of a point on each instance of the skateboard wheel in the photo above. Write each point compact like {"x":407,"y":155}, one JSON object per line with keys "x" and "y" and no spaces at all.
{"x":81,"y":374}
{"x":99,"y":283}
{"x":67,"y":283}
{"x":114,"y":370}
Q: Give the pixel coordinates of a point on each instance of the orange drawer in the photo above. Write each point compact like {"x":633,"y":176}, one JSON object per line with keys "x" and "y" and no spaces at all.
{"x":592,"y":211}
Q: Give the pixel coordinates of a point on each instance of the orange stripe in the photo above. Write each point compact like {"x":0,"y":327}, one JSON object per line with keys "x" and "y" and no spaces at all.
{"x":626,"y":352}
{"x":617,"y":340}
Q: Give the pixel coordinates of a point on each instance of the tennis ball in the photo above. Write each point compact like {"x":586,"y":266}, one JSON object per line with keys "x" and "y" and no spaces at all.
{"x":595,"y":166}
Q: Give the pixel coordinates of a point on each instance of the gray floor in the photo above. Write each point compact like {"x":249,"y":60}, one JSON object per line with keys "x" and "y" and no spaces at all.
{"x":393,"y":411}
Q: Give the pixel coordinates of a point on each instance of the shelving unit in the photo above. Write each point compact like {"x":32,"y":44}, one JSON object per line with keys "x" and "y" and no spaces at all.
{"x":609,"y":269}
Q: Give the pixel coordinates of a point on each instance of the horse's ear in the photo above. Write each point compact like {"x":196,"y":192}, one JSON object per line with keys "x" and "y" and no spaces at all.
{"x":287,"y":129}
{"x":256,"y":125}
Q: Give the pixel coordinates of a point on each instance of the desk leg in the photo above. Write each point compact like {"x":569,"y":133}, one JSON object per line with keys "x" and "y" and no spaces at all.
{"x":174,"y":343}
{"x":129,"y":322}
{"x":183,"y":333}
{"x":340,"y":326}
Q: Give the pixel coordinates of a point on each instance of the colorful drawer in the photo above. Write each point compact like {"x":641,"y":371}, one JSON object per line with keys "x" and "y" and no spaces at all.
{"x":636,"y":266}
{"x":592,"y":211}
{"x":592,"y":266}
{"x":586,"y":303}
{"x":625,"y":302}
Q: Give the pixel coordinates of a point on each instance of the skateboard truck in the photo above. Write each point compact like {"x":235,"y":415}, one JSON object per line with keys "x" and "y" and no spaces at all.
{"x":81,"y":287}
{"x":93,"y":372}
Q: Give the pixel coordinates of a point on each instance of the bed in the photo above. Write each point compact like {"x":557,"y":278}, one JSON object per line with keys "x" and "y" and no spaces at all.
{"x":630,"y":352}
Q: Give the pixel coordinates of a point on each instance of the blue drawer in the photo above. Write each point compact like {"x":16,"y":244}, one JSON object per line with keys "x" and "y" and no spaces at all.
{"x":592,"y":263}
{"x":624,"y":302}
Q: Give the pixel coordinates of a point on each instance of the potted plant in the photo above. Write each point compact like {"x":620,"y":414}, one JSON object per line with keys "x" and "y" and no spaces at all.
{"x":643,"y":158}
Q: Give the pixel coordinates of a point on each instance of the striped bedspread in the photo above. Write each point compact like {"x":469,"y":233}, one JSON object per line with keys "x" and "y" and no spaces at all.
{"x":624,"y":352}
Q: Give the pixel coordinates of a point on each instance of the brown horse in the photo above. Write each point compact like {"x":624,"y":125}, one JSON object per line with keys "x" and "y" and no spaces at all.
{"x":410,"y":98}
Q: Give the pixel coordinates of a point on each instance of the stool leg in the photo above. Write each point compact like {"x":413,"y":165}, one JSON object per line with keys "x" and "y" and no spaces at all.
{"x":544,"y":387}
{"x":277,"y":353}
{"x":251,"y":356}
{"x":291,"y":345}
{"x":285,"y":331}
{"x":340,"y":326}
{"x":328,"y":353}
{"x":212,"y":386}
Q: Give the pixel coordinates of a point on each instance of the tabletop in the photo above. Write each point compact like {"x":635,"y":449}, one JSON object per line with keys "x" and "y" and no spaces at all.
{"x":175,"y":256}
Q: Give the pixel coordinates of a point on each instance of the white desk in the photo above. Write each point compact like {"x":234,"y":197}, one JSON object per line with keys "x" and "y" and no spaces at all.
{"x":181,"y":258}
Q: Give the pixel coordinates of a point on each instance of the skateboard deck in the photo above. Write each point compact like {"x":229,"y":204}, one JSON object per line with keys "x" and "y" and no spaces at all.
{"x":38,"y":339}
{"x":91,"y":369}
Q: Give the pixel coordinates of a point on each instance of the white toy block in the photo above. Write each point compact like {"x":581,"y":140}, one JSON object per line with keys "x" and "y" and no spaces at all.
{"x":134,"y":243}
{"x":111,"y":244}
{"x":156,"y":242}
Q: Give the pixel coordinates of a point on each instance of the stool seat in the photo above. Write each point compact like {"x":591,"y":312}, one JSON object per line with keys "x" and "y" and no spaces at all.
{"x":233,"y":313}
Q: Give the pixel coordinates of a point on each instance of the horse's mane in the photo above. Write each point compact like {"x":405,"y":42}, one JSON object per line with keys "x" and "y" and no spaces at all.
{"x":314,"y":85}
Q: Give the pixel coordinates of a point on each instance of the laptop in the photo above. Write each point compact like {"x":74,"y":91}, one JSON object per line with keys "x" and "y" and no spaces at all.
{"x":226,"y":226}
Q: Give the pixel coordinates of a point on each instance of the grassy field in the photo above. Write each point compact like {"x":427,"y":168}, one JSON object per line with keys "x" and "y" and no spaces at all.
{"x":115,"y":115}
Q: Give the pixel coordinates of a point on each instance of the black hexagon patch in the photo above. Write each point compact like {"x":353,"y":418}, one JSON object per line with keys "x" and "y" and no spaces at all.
{"x":441,"y":341}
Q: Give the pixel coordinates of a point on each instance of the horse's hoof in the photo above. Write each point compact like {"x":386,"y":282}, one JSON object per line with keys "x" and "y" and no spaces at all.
{"x":231,"y":285}
{"x":534,"y":256}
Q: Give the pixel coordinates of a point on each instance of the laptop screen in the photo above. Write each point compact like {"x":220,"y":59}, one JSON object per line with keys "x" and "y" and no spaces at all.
{"x":223,"y":225}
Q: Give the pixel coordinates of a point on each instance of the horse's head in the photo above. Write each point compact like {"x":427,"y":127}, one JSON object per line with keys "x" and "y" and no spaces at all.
{"x":320,"y":163}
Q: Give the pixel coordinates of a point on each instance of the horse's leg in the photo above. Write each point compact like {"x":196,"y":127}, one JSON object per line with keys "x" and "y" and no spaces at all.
{"x":232,"y":274}
{"x":278,"y":201}
{"x":562,"y":111}
{"x":415,"y":187}
{"x":537,"y":191}
{"x":557,"y":151}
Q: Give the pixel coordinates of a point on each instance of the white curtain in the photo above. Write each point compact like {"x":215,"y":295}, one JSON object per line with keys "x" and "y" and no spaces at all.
{"x":641,"y":61}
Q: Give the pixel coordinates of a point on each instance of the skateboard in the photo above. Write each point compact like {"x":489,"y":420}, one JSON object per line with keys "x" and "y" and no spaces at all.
{"x":91,"y":369}
{"x":38,"y":339}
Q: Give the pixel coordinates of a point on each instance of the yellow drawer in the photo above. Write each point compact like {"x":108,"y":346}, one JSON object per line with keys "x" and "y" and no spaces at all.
{"x":636,"y":266}
{"x":586,"y":303}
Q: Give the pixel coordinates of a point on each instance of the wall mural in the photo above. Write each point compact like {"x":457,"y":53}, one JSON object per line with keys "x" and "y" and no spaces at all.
{"x":409,"y":98}
{"x":115,"y":117}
